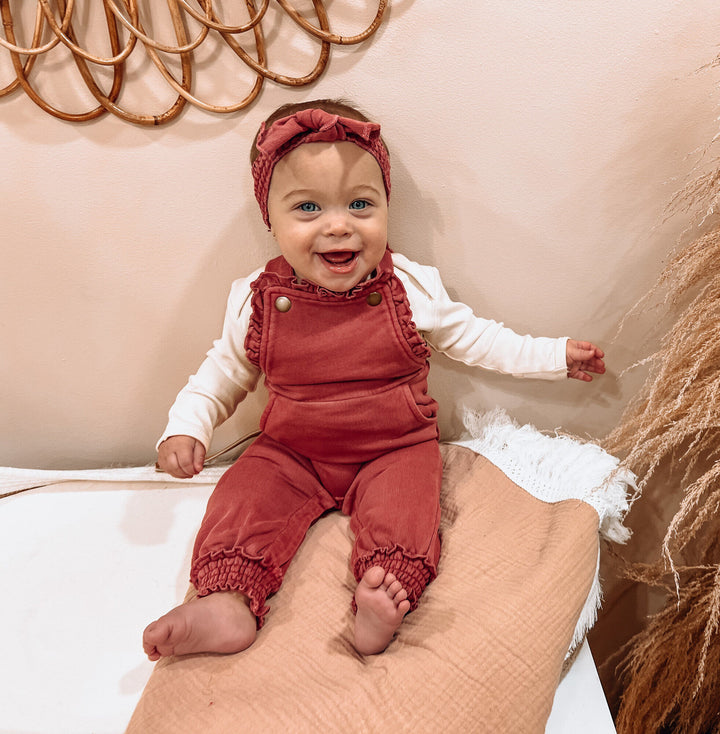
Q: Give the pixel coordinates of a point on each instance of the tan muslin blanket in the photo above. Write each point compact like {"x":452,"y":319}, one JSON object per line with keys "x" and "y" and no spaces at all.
{"x":484,"y":652}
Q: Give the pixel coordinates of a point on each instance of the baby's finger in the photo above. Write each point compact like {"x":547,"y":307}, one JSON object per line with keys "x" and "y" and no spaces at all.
{"x":198,"y":457}
{"x":596,"y":365}
{"x":588,"y":350}
{"x":182,"y":465}
{"x":578,"y":374}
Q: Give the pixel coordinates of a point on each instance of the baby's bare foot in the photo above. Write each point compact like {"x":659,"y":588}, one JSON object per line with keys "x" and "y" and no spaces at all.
{"x":381,"y":605}
{"x":220,"y":622}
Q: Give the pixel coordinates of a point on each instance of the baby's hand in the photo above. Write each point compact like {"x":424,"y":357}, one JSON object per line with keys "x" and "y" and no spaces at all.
{"x":584,"y":357}
{"x":181,"y":456}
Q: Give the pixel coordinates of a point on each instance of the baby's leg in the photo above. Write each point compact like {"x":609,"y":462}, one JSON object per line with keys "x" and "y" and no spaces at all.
{"x":255,"y":520}
{"x":220,"y":622}
{"x":394,"y":508}
{"x":381,"y":605}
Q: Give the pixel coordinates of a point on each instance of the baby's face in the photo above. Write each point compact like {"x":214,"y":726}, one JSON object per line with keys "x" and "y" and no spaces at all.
{"x":328,"y":211}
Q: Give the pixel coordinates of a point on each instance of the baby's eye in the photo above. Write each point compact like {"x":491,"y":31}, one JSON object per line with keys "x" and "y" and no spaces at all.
{"x":359,"y":204}
{"x":309,"y":207}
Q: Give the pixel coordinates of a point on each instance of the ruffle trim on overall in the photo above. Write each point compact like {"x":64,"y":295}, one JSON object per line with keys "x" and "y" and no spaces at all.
{"x":413,"y":571}
{"x":279,"y":273}
{"x":237,"y":571}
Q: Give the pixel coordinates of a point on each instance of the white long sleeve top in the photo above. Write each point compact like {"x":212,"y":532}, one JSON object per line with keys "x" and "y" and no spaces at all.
{"x":226,"y":376}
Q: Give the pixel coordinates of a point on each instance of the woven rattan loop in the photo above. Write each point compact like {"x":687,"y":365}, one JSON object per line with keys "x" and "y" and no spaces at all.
{"x":57,"y":17}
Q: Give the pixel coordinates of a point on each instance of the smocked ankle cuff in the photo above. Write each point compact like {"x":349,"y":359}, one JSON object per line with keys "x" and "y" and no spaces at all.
{"x":239,"y":573}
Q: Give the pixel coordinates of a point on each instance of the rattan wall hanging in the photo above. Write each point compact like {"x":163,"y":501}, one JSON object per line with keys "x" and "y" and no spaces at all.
{"x":57,"y":25}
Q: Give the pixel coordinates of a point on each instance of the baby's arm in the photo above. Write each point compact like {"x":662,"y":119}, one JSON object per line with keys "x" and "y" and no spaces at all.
{"x":212,"y":393}
{"x":181,"y":456}
{"x":584,"y":357}
{"x":452,"y":328}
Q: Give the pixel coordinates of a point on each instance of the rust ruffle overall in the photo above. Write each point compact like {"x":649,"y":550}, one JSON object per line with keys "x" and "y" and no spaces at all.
{"x":349,"y":425}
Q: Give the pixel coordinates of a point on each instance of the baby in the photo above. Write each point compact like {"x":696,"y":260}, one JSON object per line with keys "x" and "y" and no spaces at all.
{"x":340,"y":326}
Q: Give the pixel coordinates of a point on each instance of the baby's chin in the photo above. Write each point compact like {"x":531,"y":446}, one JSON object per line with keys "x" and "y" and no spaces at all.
{"x":338,"y":279}
{"x":337,"y":286}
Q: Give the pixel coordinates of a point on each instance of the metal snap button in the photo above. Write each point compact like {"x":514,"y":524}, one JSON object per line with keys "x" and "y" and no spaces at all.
{"x":283,"y":304}
{"x":374,"y":299}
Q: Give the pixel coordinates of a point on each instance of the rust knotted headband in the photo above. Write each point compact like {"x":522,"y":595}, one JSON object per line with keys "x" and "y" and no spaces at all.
{"x":311,"y":126}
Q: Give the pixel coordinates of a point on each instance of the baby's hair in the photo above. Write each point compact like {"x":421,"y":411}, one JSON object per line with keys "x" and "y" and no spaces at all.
{"x":340,"y":107}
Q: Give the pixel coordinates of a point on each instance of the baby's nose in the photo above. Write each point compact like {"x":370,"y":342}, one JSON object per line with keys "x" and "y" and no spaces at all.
{"x":337,"y":224}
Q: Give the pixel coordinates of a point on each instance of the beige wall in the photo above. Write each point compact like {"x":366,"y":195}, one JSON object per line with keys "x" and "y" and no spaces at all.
{"x":534,"y":147}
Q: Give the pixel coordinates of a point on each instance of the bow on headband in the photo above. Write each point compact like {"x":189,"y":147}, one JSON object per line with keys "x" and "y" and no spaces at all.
{"x":312,"y":126}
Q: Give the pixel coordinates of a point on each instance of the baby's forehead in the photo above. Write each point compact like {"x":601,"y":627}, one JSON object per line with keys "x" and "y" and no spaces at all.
{"x":316,"y":159}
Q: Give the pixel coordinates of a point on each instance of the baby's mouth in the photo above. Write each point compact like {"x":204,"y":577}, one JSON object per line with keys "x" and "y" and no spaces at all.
{"x":340,"y":262}
{"x":339,"y":258}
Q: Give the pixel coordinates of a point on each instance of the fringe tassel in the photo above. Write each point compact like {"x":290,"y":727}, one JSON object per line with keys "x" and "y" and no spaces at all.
{"x":556,"y":468}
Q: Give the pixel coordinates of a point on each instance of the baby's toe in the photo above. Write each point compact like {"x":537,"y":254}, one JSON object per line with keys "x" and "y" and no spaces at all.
{"x":374,"y":577}
{"x":394,"y":588}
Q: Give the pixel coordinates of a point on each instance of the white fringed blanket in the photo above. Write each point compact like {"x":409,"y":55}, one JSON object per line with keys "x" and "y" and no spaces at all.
{"x":517,"y":590}
{"x":553,"y":469}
